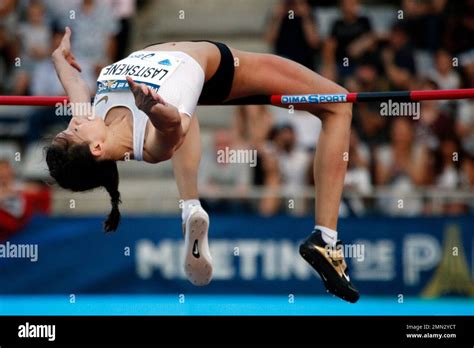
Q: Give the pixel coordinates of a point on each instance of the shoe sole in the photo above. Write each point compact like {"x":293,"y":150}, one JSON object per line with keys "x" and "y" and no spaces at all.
{"x":326,"y":272}
{"x":197,"y":269}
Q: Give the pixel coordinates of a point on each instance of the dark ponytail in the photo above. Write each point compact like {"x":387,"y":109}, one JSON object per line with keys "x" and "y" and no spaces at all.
{"x":113,"y":219}
{"x":75,"y":168}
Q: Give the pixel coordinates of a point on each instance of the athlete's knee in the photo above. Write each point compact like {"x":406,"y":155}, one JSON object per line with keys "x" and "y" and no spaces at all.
{"x":342,"y":108}
{"x":335,"y":111}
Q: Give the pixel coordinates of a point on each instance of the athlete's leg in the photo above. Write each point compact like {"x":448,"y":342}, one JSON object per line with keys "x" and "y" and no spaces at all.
{"x":186,"y":163}
{"x":197,"y":260}
{"x":269,"y":75}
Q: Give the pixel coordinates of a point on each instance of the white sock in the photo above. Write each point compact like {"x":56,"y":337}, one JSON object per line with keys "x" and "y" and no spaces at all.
{"x":187,"y":205}
{"x":328,"y":235}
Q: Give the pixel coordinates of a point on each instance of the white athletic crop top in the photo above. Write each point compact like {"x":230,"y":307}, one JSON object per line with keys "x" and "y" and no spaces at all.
{"x":176,"y":76}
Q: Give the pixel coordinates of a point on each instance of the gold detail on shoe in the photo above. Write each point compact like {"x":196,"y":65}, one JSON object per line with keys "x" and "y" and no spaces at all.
{"x":335,"y":257}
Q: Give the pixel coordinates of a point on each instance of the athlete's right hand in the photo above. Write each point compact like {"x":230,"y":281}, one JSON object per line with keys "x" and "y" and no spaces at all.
{"x":164,"y":116}
{"x":146,"y":98}
{"x":64,"y":50}
{"x":152,"y":104}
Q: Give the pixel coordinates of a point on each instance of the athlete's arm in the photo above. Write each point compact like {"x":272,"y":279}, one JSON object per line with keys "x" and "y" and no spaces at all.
{"x":170,"y":124}
{"x":68,"y":71}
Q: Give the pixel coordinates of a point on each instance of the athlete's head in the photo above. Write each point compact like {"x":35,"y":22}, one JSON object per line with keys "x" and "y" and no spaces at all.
{"x":87,"y":130}
{"x":77,"y":159}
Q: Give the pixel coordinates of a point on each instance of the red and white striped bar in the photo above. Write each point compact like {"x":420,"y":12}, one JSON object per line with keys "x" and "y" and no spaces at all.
{"x":395,"y":96}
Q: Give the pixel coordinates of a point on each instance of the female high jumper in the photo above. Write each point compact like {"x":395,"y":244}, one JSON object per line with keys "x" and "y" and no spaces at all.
{"x":144,"y":105}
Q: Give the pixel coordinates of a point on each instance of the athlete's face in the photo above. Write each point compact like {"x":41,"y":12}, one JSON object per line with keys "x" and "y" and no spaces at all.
{"x":90,"y":130}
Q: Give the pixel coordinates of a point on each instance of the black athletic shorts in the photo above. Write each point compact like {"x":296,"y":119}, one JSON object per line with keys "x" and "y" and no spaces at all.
{"x":217,"y":88}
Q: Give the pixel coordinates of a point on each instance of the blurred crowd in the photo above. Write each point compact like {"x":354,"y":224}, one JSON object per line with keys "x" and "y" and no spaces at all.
{"x":429,"y":45}
{"x":30,"y":30}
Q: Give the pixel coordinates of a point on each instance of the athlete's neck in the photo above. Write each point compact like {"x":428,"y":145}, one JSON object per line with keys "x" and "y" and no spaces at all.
{"x":120,"y":136}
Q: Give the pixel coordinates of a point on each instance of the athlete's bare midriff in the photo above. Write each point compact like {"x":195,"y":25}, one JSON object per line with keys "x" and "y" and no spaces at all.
{"x":205,"y":53}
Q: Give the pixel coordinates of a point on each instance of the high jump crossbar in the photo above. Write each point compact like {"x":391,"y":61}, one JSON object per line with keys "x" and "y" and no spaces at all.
{"x":281,"y":100}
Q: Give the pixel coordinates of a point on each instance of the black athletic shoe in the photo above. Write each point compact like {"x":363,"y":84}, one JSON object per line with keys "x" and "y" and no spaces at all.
{"x":331,"y":266}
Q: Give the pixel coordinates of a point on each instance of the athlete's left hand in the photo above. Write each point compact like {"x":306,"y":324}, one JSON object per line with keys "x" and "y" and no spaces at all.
{"x":64,"y":49}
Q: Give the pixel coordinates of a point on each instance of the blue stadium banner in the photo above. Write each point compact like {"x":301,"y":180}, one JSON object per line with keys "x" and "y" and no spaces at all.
{"x":429,"y":257}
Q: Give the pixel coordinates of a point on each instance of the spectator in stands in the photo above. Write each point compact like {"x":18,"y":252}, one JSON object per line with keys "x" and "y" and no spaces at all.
{"x":399,"y":58}
{"x":9,"y":17}
{"x":35,"y":38}
{"x":352,"y":33}
{"x":447,"y":163}
{"x":468,"y":70}
{"x":444,"y":74}
{"x":425,"y":22}
{"x":251,"y":127}
{"x":468,"y":171}
{"x":465,"y":115}
{"x":370,"y":127}
{"x":449,"y":176}
{"x":402,"y":157}
{"x":18,"y":201}
{"x":402,"y":165}
{"x":220,"y":174}
{"x":357,"y":178}
{"x":459,"y":37}
{"x":45,"y":81}
{"x":270,"y":204}
{"x":292,"y":163}
{"x":292,"y":160}
{"x":95,"y":30}
{"x":367,"y":78}
{"x":7,"y":10}
{"x":5,"y":58}
{"x":53,"y":9}
{"x":468,"y":178}
{"x":8,"y":46}
{"x":435,"y":122}
{"x":465,"y":125}
{"x":124,"y":10}
{"x":292,"y":32}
